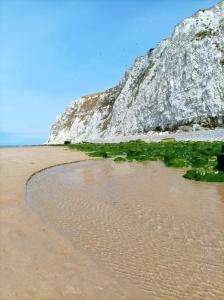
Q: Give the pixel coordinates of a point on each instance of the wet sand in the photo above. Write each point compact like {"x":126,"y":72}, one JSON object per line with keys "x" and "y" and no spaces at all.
{"x":36,"y":262}
{"x":143,"y":225}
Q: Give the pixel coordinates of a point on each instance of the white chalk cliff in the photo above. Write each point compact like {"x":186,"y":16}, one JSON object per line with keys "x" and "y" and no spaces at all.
{"x":179,"y":82}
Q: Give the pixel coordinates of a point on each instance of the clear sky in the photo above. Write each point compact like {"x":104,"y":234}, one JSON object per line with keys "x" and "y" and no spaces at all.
{"x":54,"y":51}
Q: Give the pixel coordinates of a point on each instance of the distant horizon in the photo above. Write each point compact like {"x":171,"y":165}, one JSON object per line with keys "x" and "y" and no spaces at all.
{"x":56,"y":51}
{"x":15,"y":146}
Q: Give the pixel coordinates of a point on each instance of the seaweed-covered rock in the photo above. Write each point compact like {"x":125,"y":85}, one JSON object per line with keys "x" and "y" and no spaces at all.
{"x":220,"y":160}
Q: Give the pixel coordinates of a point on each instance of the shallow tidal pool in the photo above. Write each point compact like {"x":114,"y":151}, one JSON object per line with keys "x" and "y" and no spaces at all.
{"x":141,"y":222}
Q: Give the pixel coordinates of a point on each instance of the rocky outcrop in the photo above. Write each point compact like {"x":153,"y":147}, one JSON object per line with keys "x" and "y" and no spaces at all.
{"x":180,"y":82}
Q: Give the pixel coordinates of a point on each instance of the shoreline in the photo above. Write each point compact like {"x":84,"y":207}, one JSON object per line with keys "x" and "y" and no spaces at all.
{"x":36,"y":262}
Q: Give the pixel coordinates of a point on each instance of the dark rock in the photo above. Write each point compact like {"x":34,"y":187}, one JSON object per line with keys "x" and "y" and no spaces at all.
{"x":220,"y":160}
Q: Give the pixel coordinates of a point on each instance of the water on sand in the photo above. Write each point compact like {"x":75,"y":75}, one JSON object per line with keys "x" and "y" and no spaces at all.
{"x":141,"y":222}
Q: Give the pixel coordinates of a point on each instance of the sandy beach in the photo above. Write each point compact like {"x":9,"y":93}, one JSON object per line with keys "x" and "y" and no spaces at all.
{"x":101,"y":230}
{"x":36,"y":262}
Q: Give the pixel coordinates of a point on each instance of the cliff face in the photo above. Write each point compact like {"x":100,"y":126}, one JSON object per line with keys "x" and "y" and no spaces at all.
{"x":179,"y":82}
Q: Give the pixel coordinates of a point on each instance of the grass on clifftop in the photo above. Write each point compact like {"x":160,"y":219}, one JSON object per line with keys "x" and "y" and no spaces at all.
{"x":199,"y":158}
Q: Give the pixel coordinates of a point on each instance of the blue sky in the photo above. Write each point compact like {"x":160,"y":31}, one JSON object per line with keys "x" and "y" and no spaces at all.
{"x":54,"y":51}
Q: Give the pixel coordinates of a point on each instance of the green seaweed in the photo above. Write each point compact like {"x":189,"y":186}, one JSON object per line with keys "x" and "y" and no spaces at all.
{"x":199,"y":158}
{"x":119,"y":159}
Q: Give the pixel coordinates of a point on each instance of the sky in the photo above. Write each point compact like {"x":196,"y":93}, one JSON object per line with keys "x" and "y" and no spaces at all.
{"x":54,"y":51}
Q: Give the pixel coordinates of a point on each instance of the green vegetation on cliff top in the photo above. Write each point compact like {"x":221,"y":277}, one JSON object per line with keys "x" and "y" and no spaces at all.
{"x":198,"y":158}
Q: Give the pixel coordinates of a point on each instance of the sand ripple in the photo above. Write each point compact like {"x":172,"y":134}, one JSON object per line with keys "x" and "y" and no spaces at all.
{"x":142,"y":223}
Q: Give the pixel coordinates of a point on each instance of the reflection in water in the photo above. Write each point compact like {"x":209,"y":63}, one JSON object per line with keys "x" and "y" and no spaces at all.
{"x":141,"y":222}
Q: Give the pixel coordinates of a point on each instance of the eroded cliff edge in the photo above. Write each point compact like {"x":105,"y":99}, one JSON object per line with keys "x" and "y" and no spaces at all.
{"x":180,"y":82}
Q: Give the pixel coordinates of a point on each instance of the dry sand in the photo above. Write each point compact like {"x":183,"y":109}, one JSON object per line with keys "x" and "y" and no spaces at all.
{"x":36,"y":262}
